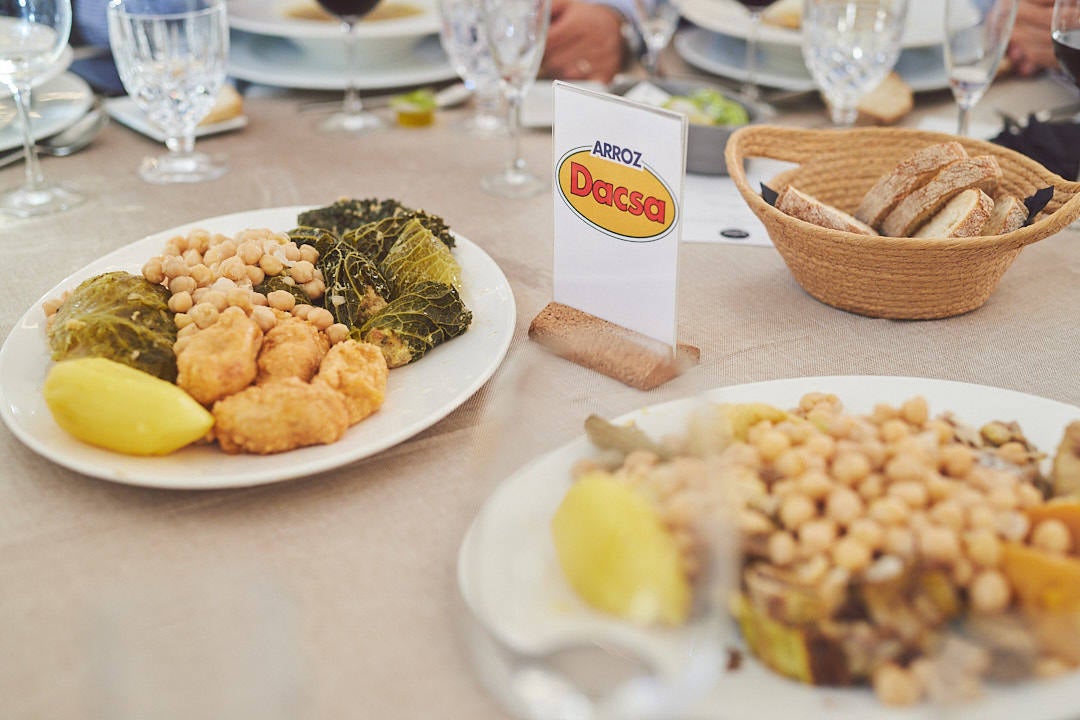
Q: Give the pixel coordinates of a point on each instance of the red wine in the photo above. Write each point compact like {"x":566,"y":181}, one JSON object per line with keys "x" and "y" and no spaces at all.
{"x":1067,"y":52}
{"x":349,"y":8}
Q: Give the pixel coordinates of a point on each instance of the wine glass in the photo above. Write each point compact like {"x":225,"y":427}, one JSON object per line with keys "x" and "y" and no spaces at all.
{"x":656,"y":21}
{"x":33,"y":34}
{"x":516,"y":31}
{"x":750,"y":89}
{"x":461,"y":32}
{"x":352,"y":118}
{"x":172,"y":58}
{"x":1065,"y":33}
{"x":976,"y":35}
{"x":849,"y":47}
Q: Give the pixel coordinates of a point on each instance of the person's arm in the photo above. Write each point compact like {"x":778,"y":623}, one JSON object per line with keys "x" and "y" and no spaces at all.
{"x":1030,"y":49}
{"x":585,"y":40}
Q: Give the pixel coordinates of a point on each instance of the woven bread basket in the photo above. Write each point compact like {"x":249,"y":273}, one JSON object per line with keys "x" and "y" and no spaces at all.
{"x":899,"y":278}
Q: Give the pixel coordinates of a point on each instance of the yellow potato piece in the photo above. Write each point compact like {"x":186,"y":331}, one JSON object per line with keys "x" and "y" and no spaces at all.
{"x":617,"y":554}
{"x":111,"y":405}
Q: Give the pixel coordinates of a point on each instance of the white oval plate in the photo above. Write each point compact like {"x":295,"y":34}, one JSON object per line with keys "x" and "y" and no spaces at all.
{"x":281,"y":63}
{"x":56,"y":104}
{"x":924,"y":28}
{"x":783,"y":67}
{"x":418,"y":395}
{"x":269,"y":17}
{"x":508,"y":574}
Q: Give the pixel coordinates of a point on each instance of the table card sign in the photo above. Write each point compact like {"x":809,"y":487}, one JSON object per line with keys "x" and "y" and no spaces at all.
{"x":619,"y":169}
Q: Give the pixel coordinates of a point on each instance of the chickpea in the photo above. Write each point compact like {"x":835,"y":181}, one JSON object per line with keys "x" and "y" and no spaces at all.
{"x":309,"y":253}
{"x":872,"y":487}
{"x":782,"y":548}
{"x":811,"y":400}
{"x":215,"y":298}
{"x":939,"y":487}
{"x":51,"y":305}
{"x":154,"y":271}
{"x":302,"y":272}
{"x":249,"y":252}
{"x":816,"y":536}
{"x":203,"y":315}
{"x":174,"y":267}
{"x":239,"y":298}
{"x":1053,"y":536}
{"x":1003,"y":497}
{"x":815,"y":484}
{"x":915,"y":411}
{"x":771,"y":443}
{"x":899,"y":541}
{"x":850,"y":468}
{"x":338,"y":332}
{"x":181,"y":302}
{"x":882,"y":413}
{"x":790,"y":463}
{"x":938,"y":544}
{"x":202,"y":275}
{"x":914,"y":494}
{"x":182,"y":320}
{"x":852,"y":554}
{"x":227,"y":248}
{"x":271,"y":264}
{"x":822,"y":446}
{"x":896,"y":686}
{"x":905,"y":467}
{"x":963,"y":572}
{"x":797,"y":431}
{"x":894,"y":430}
{"x":320,"y":318}
{"x":255,"y":274}
{"x":981,"y":517}
{"x":300,"y":310}
{"x":314,"y":289}
{"x":264,"y":317}
{"x":234,"y":269}
{"x":182,"y":283}
{"x":844,"y":506}
{"x":942,"y":430}
{"x":188,"y":330}
{"x":889,"y":510}
{"x":1012,"y":525}
{"x":989,"y":592}
{"x":191,"y":257}
{"x":1028,"y":495}
{"x":796,"y":509}
{"x":281,"y":300}
{"x":983,"y":547}
{"x":1013,"y":452}
{"x":869,"y":532}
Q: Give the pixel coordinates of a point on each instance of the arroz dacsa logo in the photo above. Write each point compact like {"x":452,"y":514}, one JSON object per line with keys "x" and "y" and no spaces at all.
{"x":610,"y":188}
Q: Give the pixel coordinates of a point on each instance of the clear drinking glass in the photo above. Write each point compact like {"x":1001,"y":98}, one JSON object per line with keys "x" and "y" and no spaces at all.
{"x":1065,"y":32}
{"x":656,"y":20}
{"x":462,"y":35}
{"x":33,"y":34}
{"x":352,"y":117}
{"x":516,"y":31}
{"x":755,"y":7}
{"x":849,"y":47}
{"x":172,"y":56}
{"x":976,"y":35}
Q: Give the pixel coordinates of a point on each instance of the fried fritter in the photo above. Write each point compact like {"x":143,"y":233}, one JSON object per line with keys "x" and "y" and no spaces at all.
{"x":280,"y":416}
{"x":292,"y":348}
{"x":358,"y":371}
{"x":220,"y":360}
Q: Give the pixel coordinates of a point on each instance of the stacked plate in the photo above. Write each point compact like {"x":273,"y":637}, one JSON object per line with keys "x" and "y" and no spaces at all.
{"x":292,"y":43}
{"x":58,"y":99}
{"x":718,"y":45}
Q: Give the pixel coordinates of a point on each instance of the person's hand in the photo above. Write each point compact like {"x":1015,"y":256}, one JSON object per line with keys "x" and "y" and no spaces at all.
{"x":1030,"y":49}
{"x":584,"y":42}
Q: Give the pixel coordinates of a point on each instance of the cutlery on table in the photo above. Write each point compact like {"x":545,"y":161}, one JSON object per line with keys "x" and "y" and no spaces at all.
{"x":69,"y":140}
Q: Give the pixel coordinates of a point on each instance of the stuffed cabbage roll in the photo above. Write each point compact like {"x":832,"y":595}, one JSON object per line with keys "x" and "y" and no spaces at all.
{"x":426,"y":315}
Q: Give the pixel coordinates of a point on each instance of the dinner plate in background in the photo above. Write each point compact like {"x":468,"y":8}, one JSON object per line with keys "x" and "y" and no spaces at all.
{"x":125,"y":111}
{"x":783,"y":67}
{"x":270,"y":17}
{"x":280,"y":62}
{"x":509,"y":576}
{"x":57,"y":103}
{"x":418,"y":395}
{"x":924,"y":27}
{"x":54,"y":70}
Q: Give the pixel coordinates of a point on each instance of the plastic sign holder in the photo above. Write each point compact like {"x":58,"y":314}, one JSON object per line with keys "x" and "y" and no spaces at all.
{"x":619,"y":169}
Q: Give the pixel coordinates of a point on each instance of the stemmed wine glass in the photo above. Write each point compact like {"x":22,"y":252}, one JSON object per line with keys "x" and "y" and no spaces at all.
{"x":976,"y":35}
{"x":352,"y":117}
{"x":33,"y":34}
{"x":1065,"y":32}
{"x":516,"y":32}
{"x":656,"y":21}
{"x":461,"y":32}
{"x":849,"y":47}
{"x":755,"y":7}
{"x":172,"y":58}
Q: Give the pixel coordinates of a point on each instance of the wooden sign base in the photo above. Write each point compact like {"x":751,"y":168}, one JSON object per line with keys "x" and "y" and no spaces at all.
{"x":627,"y":356}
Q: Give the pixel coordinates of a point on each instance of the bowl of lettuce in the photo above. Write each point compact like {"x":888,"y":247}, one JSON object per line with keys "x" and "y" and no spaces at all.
{"x":714,"y":113}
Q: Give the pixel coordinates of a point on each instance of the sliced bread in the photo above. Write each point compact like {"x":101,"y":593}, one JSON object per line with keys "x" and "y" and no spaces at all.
{"x":924,"y":202}
{"x":911,"y":173}
{"x":227,"y":105}
{"x":1009,"y":214}
{"x":784,"y":13}
{"x":798,"y":204}
{"x":890,"y":101}
{"x":963,"y":216}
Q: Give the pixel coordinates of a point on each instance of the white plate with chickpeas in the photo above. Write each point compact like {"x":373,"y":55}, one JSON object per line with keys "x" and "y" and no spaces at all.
{"x":510,"y":578}
{"x":417,"y":396}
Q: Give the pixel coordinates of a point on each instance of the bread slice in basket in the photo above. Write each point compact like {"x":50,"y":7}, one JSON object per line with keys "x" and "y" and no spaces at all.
{"x":963,"y":216}
{"x":1009,"y":214}
{"x":798,"y":204}
{"x":924,"y":202}
{"x":911,"y":173}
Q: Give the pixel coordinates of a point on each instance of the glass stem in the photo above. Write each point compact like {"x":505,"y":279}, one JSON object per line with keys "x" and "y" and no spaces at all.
{"x":34,"y":178}
{"x":652,"y":60}
{"x":181,"y":144}
{"x":517,"y":163}
{"x":962,"y":122}
{"x":352,"y":105}
{"x":750,"y":88}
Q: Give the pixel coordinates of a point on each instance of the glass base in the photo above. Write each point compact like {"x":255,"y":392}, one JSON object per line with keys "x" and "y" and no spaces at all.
{"x":485,"y":125}
{"x":181,"y":168}
{"x":513,"y":184}
{"x":45,"y":200}
{"x":342,"y":122}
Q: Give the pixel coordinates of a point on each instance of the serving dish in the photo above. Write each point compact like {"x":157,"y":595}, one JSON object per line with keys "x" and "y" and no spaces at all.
{"x":516,"y":591}
{"x":418,"y":395}
{"x":898,"y":278}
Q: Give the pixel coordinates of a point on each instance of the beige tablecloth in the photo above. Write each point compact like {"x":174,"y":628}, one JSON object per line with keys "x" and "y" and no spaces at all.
{"x":346,"y":579}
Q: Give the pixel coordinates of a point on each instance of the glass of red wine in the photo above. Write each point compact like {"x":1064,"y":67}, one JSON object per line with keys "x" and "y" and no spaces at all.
{"x":750,"y":88}
{"x":1065,"y":33}
{"x":352,"y":117}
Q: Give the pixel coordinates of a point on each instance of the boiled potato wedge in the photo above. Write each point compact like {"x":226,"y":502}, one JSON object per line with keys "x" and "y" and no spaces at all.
{"x":108,"y":404}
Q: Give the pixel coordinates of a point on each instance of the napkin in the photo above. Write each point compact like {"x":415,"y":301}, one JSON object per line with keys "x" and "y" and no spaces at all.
{"x":1054,"y":144}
